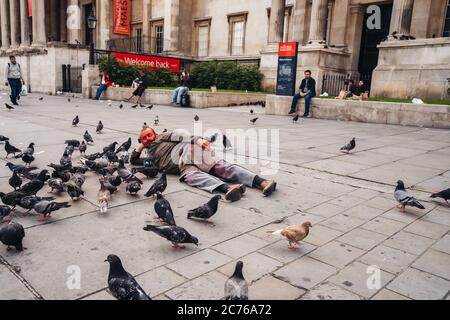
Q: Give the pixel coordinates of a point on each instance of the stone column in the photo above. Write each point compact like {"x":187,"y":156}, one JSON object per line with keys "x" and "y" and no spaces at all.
{"x":171,"y":24}
{"x":103,"y":24}
{"x":276,"y":23}
{"x":4,"y":16}
{"x":73,"y":23}
{"x":63,"y":21}
{"x":318,"y":28}
{"x":355,"y":21}
{"x":401,"y":18}
{"x":24,"y":24}
{"x":14,"y":16}
{"x":54,"y":20}
{"x":39,"y":38}
{"x":299,"y":33}
{"x":146,"y":32}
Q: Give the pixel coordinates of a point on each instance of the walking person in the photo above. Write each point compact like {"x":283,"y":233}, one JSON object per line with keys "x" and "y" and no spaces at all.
{"x":13,"y":78}
{"x":104,"y":85}
{"x":186,"y":85}
{"x":144,"y":82}
{"x":307,"y":91}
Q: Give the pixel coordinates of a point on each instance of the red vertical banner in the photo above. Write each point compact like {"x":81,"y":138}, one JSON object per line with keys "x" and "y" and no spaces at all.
{"x":122,"y":17}
{"x":30,"y":8}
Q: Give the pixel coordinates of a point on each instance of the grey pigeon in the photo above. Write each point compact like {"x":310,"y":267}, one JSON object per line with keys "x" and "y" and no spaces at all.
{"x":253,"y":121}
{"x":28,"y":202}
{"x":164,"y":210}
{"x":125,"y":146}
{"x":11,"y":235}
{"x":74,"y":143}
{"x":176,"y":235}
{"x":10,"y":149}
{"x":133,"y":187}
{"x":79,"y":179}
{"x":83,"y":148}
{"x":15,"y":181}
{"x":349,"y":146}
{"x":46,"y":207}
{"x":158,"y":186}
{"x":9,"y":107}
{"x":36,"y":184}
{"x":20,"y":169}
{"x":111,"y":147}
{"x":13,"y":198}
{"x":5,"y":211}
{"x":87,"y":137}
{"x":56,"y":184}
{"x":28,"y":151}
{"x":74,"y":191}
{"x":445,"y":194}
{"x":207,"y":210}
{"x":196,"y":118}
{"x":236,"y":288}
{"x":121,"y":284}
{"x":3,"y":138}
{"x":149,"y":172}
{"x":404,"y":199}
{"x":75,"y":121}
{"x":99,"y":127}
{"x":226,"y":143}
{"x":126,"y":174}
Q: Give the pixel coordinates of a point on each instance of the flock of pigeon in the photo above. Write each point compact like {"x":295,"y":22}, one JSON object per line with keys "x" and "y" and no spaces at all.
{"x":110,"y":166}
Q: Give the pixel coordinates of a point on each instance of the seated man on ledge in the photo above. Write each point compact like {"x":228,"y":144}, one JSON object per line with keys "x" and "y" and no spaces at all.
{"x":195,"y":161}
{"x":307,"y":91}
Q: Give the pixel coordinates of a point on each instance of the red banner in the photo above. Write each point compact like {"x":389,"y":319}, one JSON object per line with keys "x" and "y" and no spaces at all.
{"x":122,"y":17}
{"x":30,"y":6}
{"x":287,"y":49}
{"x":151,"y":62}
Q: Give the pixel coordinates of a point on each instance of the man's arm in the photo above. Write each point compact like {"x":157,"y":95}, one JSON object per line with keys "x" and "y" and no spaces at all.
{"x":6,"y":74}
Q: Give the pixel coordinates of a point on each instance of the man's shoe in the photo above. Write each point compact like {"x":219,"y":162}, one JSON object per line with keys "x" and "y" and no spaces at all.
{"x":291,"y":112}
{"x":305,"y":115}
{"x":234,"y":193}
{"x":15,"y":103}
{"x":18,"y":97}
{"x":268,"y":187}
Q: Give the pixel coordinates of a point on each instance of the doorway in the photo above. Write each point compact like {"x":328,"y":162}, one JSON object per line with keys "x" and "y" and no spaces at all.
{"x":87,"y":32}
{"x":368,"y":57}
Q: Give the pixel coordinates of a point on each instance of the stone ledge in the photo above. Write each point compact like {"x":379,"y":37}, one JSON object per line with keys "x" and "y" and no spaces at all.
{"x":432,"y":116}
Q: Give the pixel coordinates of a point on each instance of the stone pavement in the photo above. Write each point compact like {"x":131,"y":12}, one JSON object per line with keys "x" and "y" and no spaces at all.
{"x":348,"y":199}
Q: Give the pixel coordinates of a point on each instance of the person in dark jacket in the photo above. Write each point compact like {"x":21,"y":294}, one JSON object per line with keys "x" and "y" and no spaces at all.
{"x":186,"y":85}
{"x":307,"y":91}
{"x":144,"y":82}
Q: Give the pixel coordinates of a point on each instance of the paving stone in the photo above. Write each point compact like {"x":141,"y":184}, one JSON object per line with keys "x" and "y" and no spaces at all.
{"x":388,"y":259}
{"x":335,"y":166}
{"x":365,"y":194}
{"x":326,"y":210}
{"x":303,"y":217}
{"x":199,"y":263}
{"x":305,"y":272}
{"x":159,"y":280}
{"x":319,"y":235}
{"x":429,"y":160}
{"x":386,"y":294}
{"x":443,"y":245}
{"x":363,"y":212}
{"x":270,"y":288}
{"x":384,"y":226}
{"x":409,"y":242}
{"x":241,"y":246}
{"x":329,"y":291}
{"x":100,"y":296}
{"x":256,"y":265}
{"x":264,"y":232}
{"x":209,"y":286}
{"x":336,"y":254}
{"x":12,"y":288}
{"x":434,"y":262}
{"x":427,"y":229}
{"x":438,"y":215}
{"x":381,"y":203}
{"x":411,"y":215}
{"x":342,"y":222}
{"x":420,"y":285}
{"x":280,"y":251}
{"x":363,"y":239}
{"x":347,"y":201}
{"x":356,"y":277}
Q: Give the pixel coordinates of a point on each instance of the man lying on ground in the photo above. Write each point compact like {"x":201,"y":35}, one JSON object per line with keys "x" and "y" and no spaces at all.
{"x":195,"y":161}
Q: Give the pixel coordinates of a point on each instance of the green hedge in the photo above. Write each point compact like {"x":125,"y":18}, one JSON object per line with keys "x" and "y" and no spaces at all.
{"x":226,"y":76}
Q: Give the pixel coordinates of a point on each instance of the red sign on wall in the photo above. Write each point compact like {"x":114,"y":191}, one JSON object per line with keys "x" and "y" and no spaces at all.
{"x":30,"y":6}
{"x":122,"y":17}
{"x":151,"y":62}
{"x":287,"y":49}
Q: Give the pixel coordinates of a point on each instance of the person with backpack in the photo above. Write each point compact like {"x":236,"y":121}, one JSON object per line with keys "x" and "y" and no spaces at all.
{"x":13,"y":79}
{"x":186,"y":85}
{"x":144,"y":82}
{"x":104,"y":85}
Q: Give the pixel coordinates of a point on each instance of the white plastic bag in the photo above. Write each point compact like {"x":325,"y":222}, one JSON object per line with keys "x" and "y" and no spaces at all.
{"x":417,"y":101}
{"x":24,"y":91}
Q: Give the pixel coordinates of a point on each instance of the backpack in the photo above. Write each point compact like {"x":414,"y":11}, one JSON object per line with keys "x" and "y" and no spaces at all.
{"x":186,"y":100}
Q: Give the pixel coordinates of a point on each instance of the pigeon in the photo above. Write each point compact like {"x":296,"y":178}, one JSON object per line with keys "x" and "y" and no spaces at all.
{"x":295,"y":119}
{"x":207,"y":210}
{"x":149,"y":172}
{"x":15,"y":181}
{"x":28,"y":151}
{"x":28,"y":202}
{"x":9,"y":107}
{"x":58,"y":167}
{"x":165,"y":130}
{"x":121,"y":284}
{"x":75,"y":121}
{"x":145,"y":126}
{"x":3,"y":138}
{"x":11,"y":235}
{"x":93,"y":157}
{"x":5,"y":211}
{"x":111,"y":157}
{"x":133,"y":187}
{"x":196,"y":118}
{"x":99,"y":127}
{"x":74,"y":192}
{"x":134,"y":106}
{"x":126,"y":174}
{"x":65,"y":160}
{"x":13,"y":198}
{"x":236,"y":288}
{"x":92,"y":165}
{"x":83,"y":148}
{"x":110,"y":147}
{"x":28,"y":159}
{"x":56,"y":184}
{"x":88,"y":138}
{"x":78,"y":169}
{"x":124,"y":156}
{"x":41,"y":98}
{"x":10,"y":149}
{"x":349,"y":146}
{"x":103,"y":196}
{"x":79,"y":179}
{"x":68,"y":151}
{"x":251,"y":111}
{"x":176,"y":235}
{"x":158,"y":186}
{"x":164,"y":210}
{"x":20,"y":169}
{"x":46,"y":207}
{"x":404,"y":199}
{"x":445,"y":194}
{"x":150,"y":107}
{"x":294,"y":234}
{"x":121,"y":106}
{"x":74,"y":143}
{"x":253,"y":121}
{"x":226,"y":143}
{"x":68,"y":100}
{"x":125,"y":146}
{"x":35,"y":185}
{"x":156,"y":121}
{"x":63,"y":175}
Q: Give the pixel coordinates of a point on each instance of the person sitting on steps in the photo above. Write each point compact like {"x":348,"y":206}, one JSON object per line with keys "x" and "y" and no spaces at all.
{"x":307,"y":91}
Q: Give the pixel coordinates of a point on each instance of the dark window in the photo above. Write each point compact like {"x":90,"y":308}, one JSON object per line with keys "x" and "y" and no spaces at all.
{"x":138,"y":40}
{"x":159,"y":39}
{"x":88,"y":32}
{"x":447,"y":21}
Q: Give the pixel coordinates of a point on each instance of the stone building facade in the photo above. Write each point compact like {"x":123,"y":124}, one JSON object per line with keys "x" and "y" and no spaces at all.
{"x":403,"y":45}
